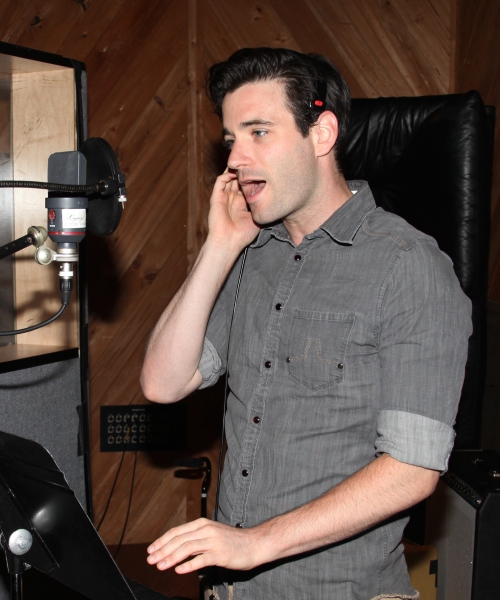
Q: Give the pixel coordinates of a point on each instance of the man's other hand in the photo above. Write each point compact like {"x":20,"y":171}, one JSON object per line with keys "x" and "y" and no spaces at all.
{"x":203,"y":543}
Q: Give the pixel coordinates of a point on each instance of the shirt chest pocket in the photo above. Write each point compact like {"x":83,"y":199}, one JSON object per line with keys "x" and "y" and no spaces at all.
{"x":317,"y":347}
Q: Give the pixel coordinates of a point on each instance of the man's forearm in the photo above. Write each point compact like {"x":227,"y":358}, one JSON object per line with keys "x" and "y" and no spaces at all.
{"x":378,"y":491}
{"x":382,"y":489}
{"x":170,"y":369}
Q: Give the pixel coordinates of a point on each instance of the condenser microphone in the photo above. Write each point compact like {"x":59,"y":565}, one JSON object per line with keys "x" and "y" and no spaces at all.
{"x":95,"y":165}
{"x":67,"y":213}
{"x":86,"y":188}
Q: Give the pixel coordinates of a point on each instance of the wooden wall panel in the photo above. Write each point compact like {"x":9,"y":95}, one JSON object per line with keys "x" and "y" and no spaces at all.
{"x":195,"y":229}
{"x":384,"y":36}
{"x":142,"y":111}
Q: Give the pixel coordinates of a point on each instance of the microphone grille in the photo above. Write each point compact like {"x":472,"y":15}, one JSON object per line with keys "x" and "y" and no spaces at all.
{"x":67,"y":167}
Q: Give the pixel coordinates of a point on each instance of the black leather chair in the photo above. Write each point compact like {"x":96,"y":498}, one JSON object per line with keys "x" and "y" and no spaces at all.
{"x":429,"y":160}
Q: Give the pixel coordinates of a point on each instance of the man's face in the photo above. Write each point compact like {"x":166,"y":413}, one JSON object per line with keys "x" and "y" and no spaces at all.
{"x":276,"y":166}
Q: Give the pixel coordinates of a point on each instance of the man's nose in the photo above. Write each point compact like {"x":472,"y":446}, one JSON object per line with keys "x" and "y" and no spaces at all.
{"x":238,"y":157}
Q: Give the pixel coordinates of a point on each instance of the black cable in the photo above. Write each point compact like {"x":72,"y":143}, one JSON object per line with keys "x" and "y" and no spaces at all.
{"x":111,"y":492}
{"x":226,"y":388}
{"x":56,"y":187}
{"x":33,"y":327}
{"x":128,"y":508}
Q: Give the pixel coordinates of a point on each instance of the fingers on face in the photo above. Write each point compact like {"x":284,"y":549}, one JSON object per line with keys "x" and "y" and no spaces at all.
{"x":235,"y":186}
{"x":226,"y":177}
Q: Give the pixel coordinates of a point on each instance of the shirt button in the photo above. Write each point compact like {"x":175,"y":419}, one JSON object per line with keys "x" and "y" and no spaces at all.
{"x":297,"y":257}
{"x":340,"y":366}
{"x":278,"y":306}
{"x":267,"y":364}
{"x":239,"y":525}
{"x":245,"y":472}
{"x":256,"y":419}
{"x":288,"y":359}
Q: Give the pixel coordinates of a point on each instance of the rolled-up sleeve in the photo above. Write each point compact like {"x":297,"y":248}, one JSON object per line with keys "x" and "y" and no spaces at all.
{"x":213,"y":358}
{"x":210,"y":365}
{"x":424,"y":326}
{"x":415,"y":439}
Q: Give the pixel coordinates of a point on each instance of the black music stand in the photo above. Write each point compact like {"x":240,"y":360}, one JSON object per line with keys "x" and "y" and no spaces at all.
{"x":43,"y":525}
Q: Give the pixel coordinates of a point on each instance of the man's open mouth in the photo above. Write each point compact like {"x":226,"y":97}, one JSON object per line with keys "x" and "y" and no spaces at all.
{"x":251,"y":187}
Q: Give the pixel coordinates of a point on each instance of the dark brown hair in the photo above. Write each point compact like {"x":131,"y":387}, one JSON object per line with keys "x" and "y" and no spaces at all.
{"x":307,"y":78}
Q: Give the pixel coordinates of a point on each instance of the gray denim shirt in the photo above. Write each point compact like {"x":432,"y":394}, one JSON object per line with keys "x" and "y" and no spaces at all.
{"x":350,"y":345}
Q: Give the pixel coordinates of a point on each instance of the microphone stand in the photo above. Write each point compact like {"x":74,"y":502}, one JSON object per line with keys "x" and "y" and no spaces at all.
{"x":67,"y":254}
{"x":36,"y":236}
{"x":202,"y":464}
{"x":20,"y":542}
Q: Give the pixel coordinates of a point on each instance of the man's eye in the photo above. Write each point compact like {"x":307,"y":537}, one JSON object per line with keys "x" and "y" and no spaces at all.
{"x":259,"y":133}
{"x":228,"y":144}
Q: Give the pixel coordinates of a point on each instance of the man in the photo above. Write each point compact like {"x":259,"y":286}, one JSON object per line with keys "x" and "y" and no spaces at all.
{"x":346,"y":353}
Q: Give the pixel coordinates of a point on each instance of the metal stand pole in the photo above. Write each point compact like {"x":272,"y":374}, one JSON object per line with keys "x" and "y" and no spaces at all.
{"x":36,"y":236}
{"x":19,"y":544}
{"x":16,"y":586}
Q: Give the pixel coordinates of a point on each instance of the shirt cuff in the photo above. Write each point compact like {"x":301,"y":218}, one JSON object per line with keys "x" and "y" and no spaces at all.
{"x":414,"y":439}
{"x":210,"y":365}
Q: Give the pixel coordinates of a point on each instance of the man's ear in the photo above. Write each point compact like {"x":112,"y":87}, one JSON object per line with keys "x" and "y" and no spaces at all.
{"x":325,"y":132}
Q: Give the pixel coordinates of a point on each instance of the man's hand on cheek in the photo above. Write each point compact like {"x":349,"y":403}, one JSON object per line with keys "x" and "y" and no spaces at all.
{"x":205,"y":543}
{"x":229,"y":219}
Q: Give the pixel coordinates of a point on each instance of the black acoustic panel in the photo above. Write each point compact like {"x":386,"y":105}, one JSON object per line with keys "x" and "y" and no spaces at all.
{"x":429,"y":160}
{"x":41,"y":404}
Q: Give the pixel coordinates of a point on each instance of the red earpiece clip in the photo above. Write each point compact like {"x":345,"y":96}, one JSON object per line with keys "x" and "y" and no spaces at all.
{"x":318,"y":103}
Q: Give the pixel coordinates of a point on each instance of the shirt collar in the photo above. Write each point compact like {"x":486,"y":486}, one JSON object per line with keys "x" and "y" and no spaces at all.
{"x":341,"y":226}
